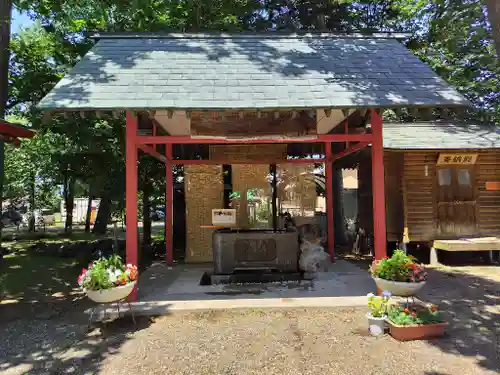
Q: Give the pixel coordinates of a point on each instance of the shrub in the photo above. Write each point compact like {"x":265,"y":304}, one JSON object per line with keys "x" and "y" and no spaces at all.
{"x":404,"y":316}
{"x":399,"y":267}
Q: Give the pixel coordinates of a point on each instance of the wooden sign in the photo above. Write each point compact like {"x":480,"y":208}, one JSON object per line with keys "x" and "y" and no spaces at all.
{"x":265,"y":153}
{"x":457,"y":159}
{"x":492,"y":185}
{"x":223,"y":216}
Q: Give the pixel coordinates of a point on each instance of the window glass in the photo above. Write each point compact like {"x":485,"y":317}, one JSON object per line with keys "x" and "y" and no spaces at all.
{"x":464,"y":177}
{"x":444,"y":177}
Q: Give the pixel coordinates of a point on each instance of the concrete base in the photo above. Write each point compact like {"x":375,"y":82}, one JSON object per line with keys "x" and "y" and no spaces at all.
{"x":246,"y":277}
{"x":164,"y":289}
{"x":433,"y":257}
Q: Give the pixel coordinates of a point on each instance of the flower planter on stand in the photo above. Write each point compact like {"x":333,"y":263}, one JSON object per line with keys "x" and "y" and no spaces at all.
{"x":376,"y":325}
{"x":112,"y":294}
{"x":398,"y":288}
{"x":417,"y":331}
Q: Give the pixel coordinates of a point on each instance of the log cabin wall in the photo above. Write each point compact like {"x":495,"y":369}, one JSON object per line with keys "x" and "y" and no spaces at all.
{"x":420,"y":195}
{"x":488,"y":201}
{"x":419,"y":200}
{"x":393,"y":162}
{"x":394,"y":204}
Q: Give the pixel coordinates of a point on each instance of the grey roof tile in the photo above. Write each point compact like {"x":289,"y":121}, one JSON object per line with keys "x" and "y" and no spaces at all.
{"x":440,"y":135}
{"x":284,"y":71}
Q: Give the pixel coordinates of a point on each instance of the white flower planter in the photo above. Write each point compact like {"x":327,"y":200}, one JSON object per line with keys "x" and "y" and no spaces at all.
{"x":376,"y":326}
{"x":112,"y":294}
{"x":398,"y":288}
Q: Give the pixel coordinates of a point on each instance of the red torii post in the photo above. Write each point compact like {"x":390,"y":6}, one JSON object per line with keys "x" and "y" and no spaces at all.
{"x":330,"y":219}
{"x":131,"y":180}
{"x":378,"y":186}
{"x":169,"y":201}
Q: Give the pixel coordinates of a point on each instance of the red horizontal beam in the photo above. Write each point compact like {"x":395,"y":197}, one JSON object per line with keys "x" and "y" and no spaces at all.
{"x":14,"y":130}
{"x":142,"y":139}
{"x":151,"y":151}
{"x":350,"y":150}
{"x":216,"y":162}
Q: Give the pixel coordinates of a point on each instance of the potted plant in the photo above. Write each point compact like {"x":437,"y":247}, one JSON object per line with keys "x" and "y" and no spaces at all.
{"x":108,"y":279}
{"x":399,"y":274}
{"x":378,"y":312}
{"x":415,"y":323}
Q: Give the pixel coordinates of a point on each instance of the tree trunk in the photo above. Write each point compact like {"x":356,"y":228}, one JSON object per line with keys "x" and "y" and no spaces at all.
{"x":89,"y":211}
{"x":103,"y":214}
{"x":494,"y":17}
{"x":70,"y":203}
{"x":5,"y":16}
{"x":5,"y":13}
{"x":31,"y":223}
{"x":338,"y":208}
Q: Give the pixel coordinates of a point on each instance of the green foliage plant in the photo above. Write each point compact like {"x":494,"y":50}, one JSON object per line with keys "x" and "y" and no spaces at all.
{"x":400,"y":267}
{"x":407,"y":316}
{"x":106,"y":273}
{"x":379,"y":304}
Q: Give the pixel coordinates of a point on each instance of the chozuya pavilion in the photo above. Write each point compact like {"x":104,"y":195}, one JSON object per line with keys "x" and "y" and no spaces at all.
{"x":249,"y":101}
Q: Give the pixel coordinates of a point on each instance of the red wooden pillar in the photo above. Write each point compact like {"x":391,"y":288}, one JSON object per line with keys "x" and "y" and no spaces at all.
{"x":131,"y":194}
{"x":378,"y":187}
{"x":169,"y":201}
{"x":329,"y":201}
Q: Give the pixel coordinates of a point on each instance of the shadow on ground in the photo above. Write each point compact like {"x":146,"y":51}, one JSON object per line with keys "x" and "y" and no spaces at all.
{"x":32,"y":285}
{"x":472,"y":304}
{"x":468,"y":291}
{"x":66,"y":346}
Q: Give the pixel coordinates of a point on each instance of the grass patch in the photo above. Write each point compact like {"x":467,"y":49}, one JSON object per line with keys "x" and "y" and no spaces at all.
{"x":47,"y":236}
{"x":29,"y":277}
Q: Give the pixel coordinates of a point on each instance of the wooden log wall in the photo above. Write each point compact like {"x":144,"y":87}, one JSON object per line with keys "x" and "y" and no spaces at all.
{"x":411,"y":188}
{"x":394,"y":206}
{"x":393,"y":163}
{"x":488,"y":201}
{"x":419,"y":189}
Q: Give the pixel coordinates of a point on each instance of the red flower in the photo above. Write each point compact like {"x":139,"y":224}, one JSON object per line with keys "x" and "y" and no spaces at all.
{"x":406,"y":311}
{"x":434,"y":308}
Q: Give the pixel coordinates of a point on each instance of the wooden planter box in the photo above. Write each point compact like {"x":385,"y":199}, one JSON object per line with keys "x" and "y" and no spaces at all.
{"x":417,"y":332}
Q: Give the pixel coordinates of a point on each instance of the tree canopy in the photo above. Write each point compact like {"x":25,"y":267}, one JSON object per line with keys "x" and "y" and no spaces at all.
{"x":455,"y":37}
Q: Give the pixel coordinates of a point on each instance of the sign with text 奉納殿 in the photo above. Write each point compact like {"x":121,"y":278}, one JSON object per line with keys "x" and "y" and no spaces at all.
{"x":457,"y":159}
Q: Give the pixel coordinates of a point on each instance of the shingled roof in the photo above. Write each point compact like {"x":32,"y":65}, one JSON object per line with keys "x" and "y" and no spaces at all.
{"x":249,"y":71}
{"x":440,"y":135}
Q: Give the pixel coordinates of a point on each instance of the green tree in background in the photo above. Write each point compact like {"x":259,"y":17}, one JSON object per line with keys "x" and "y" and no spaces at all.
{"x":86,"y":155}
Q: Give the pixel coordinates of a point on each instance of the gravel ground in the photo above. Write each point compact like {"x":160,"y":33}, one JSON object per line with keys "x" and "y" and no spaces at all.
{"x":296,"y":341}
{"x":299,"y":341}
